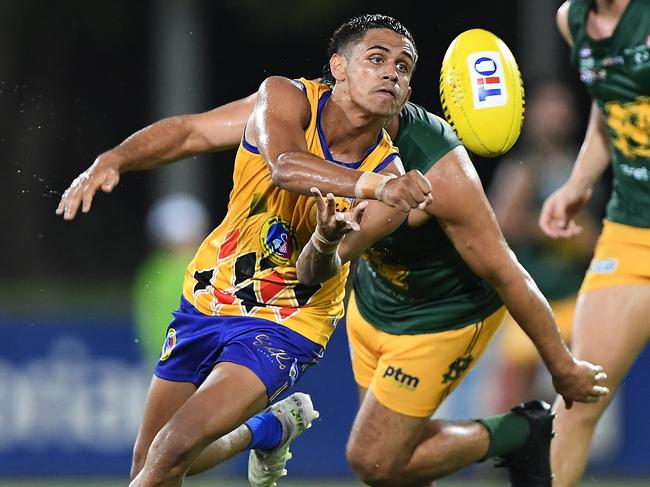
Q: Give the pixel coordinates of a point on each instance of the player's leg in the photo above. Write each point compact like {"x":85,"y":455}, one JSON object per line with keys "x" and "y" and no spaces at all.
{"x":294,"y":415}
{"x":278,"y":357}
{"x":230,"y":394}
{"x":393,"y":442}
{"x":612,"y":327}
{"x":390,"y":448}
{"x":163,"y":400}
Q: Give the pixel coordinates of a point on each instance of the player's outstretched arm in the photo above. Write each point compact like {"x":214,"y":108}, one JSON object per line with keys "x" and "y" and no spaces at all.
{"x":278,"y":129}
{"x":559,"y":209}
{"x":160,"y":143}
{"x":339,"y":237}
{"x":464,"y":212}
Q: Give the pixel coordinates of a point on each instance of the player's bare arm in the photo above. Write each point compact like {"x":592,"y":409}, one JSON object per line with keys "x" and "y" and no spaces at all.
{"x":340,"y":237}
{"x":464,"y":212}
{"x":559,"y":209}
{"x":162,"y":142}
{"x":278,"y":131}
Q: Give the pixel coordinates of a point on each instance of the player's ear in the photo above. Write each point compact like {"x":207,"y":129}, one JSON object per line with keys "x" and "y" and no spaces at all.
{"x":338,"y":64}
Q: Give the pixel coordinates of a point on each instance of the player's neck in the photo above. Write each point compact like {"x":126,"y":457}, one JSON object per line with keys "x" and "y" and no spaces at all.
{"x":611,"y":9}
{"x":604,"y":17}
{"x":349,"y":131}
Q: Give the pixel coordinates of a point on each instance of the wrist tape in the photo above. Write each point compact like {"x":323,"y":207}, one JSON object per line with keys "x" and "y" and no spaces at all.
{"x":370,"y":185}
{"x":323,"y":245}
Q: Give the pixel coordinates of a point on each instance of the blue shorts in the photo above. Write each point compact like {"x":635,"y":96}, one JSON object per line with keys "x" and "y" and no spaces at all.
{"x":196,"y":342}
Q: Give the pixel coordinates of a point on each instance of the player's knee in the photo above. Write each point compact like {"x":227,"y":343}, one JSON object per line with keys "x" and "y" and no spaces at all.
{"x":371,"y":469}
{"x":164,"y":461}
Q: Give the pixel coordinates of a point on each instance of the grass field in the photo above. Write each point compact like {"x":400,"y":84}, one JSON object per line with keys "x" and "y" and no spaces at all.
{"x":294,"y":483}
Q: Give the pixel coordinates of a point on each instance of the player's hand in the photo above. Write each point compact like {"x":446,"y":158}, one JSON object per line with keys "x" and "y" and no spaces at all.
{"x":104,"y":174}
{"x":332,"y":224}
{"x":410,"y":190}
{"x":582,"y":382}
{"x":556,"y":218}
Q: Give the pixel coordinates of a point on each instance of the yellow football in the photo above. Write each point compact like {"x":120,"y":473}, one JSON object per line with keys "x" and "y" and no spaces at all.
{"x":481,"y":92}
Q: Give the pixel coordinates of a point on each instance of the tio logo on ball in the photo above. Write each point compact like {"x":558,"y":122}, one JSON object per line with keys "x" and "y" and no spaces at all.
{"x":487,"y":79}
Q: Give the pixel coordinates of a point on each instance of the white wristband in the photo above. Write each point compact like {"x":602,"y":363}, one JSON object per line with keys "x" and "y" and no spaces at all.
{"x":322,"y":244}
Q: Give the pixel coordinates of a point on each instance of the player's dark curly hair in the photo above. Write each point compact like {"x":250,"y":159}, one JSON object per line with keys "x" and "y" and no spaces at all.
{"x":353,"y":31}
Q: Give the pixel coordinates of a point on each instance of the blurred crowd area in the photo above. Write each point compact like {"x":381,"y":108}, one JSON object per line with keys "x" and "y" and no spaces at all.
{"x":85,"y":303}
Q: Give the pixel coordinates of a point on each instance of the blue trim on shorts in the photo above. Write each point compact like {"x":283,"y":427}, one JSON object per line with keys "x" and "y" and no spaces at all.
{"x":196,"y":342}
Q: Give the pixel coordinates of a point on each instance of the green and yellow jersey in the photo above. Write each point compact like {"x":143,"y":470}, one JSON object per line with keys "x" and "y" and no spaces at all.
{"x":414,"y":281}
{"x":616,"y":71}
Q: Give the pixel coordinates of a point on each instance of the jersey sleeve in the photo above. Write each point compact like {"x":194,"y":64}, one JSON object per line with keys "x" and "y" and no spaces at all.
{"x":424,"y":139}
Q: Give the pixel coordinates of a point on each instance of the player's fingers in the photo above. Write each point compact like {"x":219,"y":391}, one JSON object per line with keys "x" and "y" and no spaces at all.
{"x":357,"y":211}
{"x":91,"y":188}
{"x":599,"y":391}
{"x":404,"y":205}
{"x":422,"y":182}
{"x":111,"y":180}
{"x":600,"y":377}
{"x":427,"y":201}
{"x":320,"y":205}
{"x":62,"y":202}
{"x":546,"y":219}
{"x":419,"y":190}
{"x":71,"y":204}
{"x":331,"y":204}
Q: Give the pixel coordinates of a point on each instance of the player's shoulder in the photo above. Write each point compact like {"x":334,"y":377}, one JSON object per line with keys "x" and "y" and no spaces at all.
{"x":413,"y":116}
{"x":288,"y":86}
{"x":562,"y":21}
{"x":423,"y":137}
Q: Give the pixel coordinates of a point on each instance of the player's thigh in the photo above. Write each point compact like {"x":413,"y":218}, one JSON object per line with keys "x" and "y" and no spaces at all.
{"x":363,"y":340}
{"x":612,"y":326}
{"x":612,"y":320}
{"x":231,"y":394}
{"x":415,"y":373}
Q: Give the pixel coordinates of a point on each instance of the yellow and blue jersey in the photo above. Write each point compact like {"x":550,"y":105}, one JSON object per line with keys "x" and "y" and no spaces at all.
{"x":247,"y":265}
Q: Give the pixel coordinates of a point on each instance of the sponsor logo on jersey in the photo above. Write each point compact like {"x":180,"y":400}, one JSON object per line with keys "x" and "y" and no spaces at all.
{"x":404,"y":379}
{"x":168,"y":346}
{"x":638,"y":173}
{"x":487,"y":79}
{"x":278,"y":241}
{"x":264,"y":344}
{"x":639,"y":57}
{"x":457,"y":368}
{"x":603,"y":266}
{"x":629,"y":122}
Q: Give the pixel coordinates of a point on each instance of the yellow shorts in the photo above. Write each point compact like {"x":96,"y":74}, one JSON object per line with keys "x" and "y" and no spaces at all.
{"x":413,"y":374}
{"x":622,"y":256}
{"x":514,"y":344}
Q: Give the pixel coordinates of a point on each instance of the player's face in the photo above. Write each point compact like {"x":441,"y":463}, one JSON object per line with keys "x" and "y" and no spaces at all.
{"x":379,"y":71}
